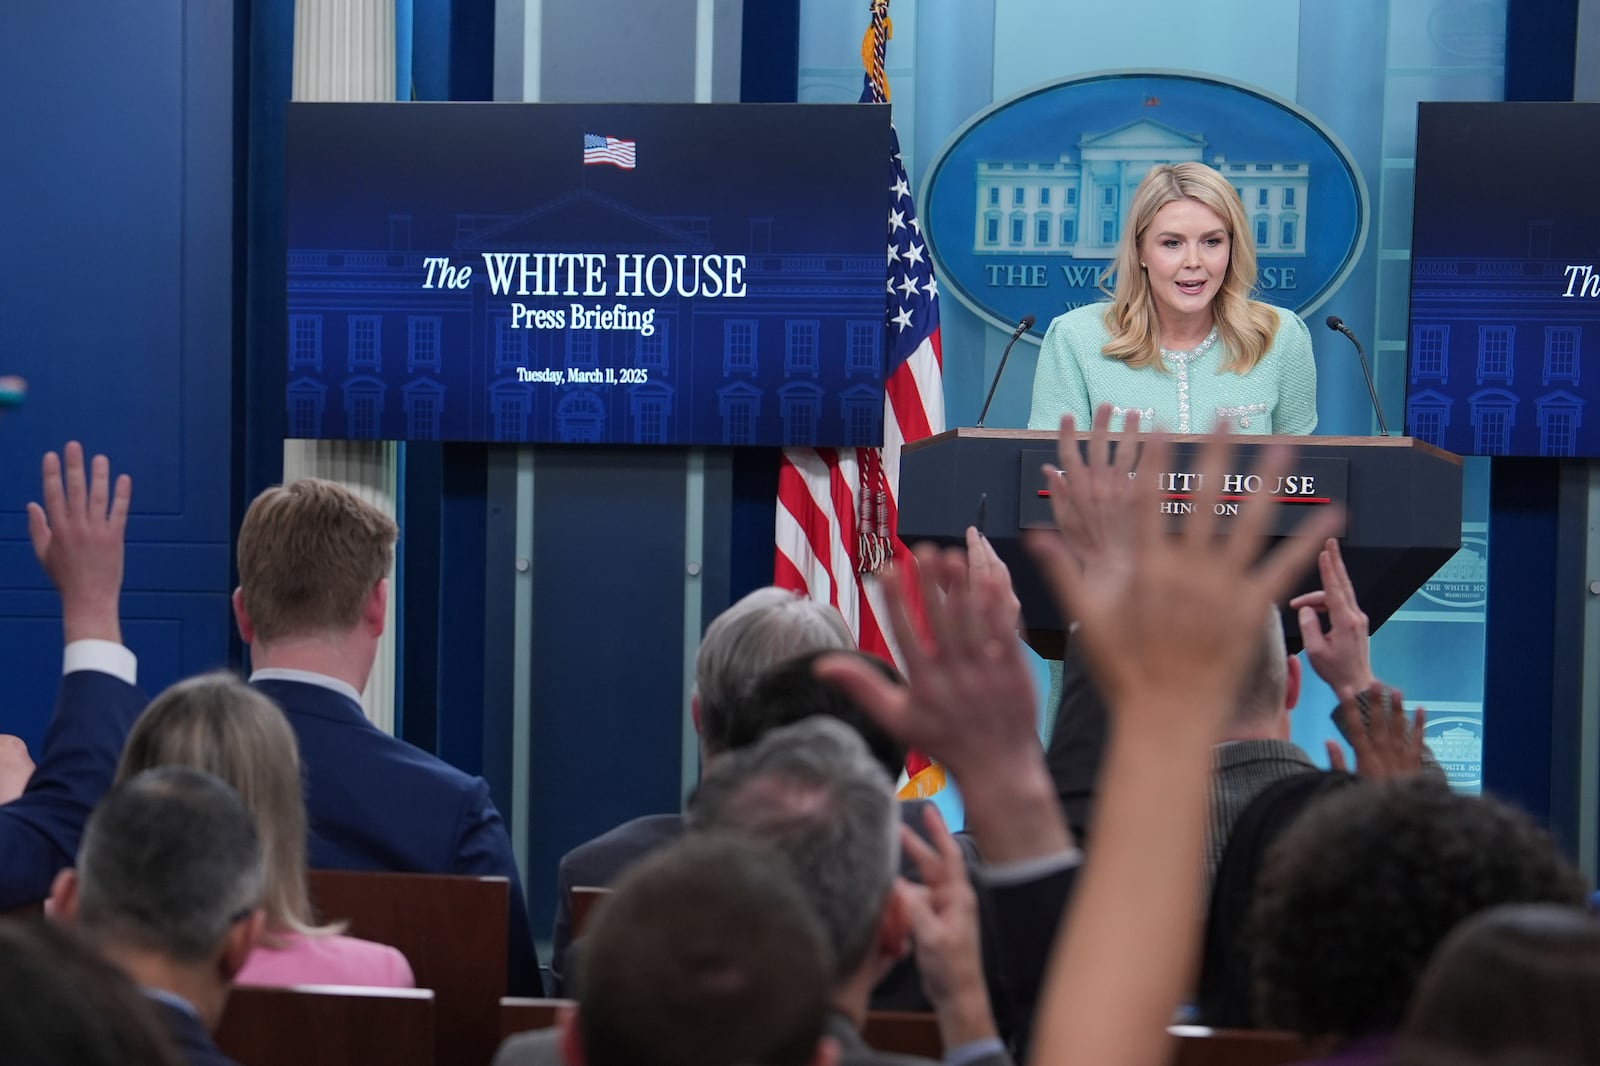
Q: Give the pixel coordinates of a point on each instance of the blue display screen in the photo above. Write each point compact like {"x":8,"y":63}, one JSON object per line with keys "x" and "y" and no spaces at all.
{"x":1505,"y":280}
{"x":587,"y":273}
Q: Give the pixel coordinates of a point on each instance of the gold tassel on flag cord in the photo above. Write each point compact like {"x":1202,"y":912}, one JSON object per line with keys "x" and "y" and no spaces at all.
{"x":873,"y":536}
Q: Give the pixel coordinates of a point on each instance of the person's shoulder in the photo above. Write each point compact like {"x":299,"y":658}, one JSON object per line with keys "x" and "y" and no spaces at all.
{"x":1080,"y":332}
{"x":1088,"y":317}
{"x":1289,"y":322}
{"x":365,"y":750}
{"x":540,"y":1047}
{"x":375,"y":964}
{"x":326,"y":959}
{"x":630,"y":839}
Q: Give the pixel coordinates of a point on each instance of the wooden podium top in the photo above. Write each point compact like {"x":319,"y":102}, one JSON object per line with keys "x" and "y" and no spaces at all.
{"x":1042,"y":435}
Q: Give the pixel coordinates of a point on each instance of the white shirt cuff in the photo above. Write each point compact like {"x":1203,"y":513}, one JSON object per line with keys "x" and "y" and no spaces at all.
{"x":1015,"y":873}
{"x":106,"y":656}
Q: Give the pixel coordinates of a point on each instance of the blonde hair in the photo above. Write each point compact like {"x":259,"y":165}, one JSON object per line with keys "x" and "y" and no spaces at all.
{"x":219,"y":724}
{"x":1245,"y":327}
{"x":310,"y":553}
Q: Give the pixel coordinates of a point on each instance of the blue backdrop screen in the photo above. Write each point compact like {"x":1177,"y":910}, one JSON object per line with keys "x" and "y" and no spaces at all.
{"x":588,"y":273}
{"x":1505,"y":279}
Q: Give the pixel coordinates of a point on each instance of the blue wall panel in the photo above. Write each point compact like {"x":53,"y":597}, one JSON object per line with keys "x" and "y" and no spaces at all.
{"x":607,"y":649}
{"x":115,"y":304}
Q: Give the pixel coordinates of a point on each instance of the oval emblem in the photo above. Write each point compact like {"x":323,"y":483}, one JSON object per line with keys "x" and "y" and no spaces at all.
{"x":1463,"y":582}
{"x":1456,"y":740}
{"x":1016,"y":228}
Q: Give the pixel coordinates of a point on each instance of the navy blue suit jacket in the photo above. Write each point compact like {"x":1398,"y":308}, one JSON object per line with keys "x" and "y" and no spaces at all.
{"x":377,"y":803}
{"x":39,"y":830}
{"x":189,"y":1037}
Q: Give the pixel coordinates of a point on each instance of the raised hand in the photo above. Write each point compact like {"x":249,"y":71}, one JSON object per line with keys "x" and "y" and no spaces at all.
{"x":1091,"y":499}
{"x":984,"y":566}
{"x":77,"y":537}
{"x":1169,"y":644}
{"x":1385,"y":743}
{"x":944,"y":928}
{"x":1342,"y":655}
{"x":969,"y":701}
{"x":16,"y":767}
{"x":1180,"y":626}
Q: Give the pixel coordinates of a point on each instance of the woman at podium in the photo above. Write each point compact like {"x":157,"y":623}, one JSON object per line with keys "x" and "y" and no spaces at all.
{"x":1180,"y":342}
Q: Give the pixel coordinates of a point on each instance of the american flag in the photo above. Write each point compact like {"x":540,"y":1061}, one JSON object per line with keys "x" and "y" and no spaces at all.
{"x":598,"y":150}
{"x":837,"y":509}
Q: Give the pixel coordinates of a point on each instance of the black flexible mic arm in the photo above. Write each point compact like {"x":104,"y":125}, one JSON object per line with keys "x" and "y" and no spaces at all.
{"x":1022,"y":327}
{"x":1336,"y":324}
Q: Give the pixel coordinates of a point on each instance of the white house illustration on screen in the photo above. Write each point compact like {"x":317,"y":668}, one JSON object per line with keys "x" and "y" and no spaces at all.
{"x":1074,"y":206}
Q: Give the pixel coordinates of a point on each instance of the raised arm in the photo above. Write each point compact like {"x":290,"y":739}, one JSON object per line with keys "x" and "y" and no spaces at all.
{"x":77,"y":535}
{"x":969,"y":702}
{"x":1168,"y":646}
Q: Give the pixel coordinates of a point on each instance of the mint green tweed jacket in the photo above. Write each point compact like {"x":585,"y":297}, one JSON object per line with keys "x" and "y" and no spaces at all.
{"x":1278,"y":395}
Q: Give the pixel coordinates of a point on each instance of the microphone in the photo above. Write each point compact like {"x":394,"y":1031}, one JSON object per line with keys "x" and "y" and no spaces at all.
{"x":1336,"y":324}
{"x":1022,"y":327}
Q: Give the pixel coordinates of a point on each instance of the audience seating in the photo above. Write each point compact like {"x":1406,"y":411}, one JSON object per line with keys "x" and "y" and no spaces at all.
{"x":328,"y":1025}
{"x":904,"y":1032}
{"x":518,"y":1014}
{"x":453,"y":930}
{"x":1201,"y":1046}
{"x":584,"y":899}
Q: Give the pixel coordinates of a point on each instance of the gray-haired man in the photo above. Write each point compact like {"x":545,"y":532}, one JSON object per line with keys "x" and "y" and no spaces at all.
{"x":168,"y":886}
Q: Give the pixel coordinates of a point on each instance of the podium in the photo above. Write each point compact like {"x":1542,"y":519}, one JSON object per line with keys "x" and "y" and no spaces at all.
{"x":1402,"y":499}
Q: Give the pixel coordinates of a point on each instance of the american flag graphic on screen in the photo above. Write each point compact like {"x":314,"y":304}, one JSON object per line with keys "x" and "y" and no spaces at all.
{"x":837,"y":509}
{"x":614,"y":151}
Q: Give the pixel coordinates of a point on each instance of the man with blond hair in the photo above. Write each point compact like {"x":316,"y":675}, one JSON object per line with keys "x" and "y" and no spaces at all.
{"x":314,"y":561}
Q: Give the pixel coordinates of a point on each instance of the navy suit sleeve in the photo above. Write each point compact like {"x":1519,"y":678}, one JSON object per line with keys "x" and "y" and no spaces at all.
{"x":39,"y":830}
{"x":1027,"y":916}
{"x":484,"y":849}
{"x":561,"y":932}
{"x":1077,"y":743}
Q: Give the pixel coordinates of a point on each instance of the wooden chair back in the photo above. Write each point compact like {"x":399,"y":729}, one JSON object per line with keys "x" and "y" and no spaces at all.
{"x":584,"y":899}
{"x":328,"y":1025}
{"x":904,"y":1032}
{"x":453,"y":930}
{"x":518,"y":1014}
{"x":1202,"y":1046}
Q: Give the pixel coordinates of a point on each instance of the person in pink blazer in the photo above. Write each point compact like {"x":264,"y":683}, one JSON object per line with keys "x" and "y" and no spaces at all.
{"x":217,"y":723}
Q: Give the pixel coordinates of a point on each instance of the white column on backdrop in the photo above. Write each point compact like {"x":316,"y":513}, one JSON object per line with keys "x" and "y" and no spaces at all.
{"x":344,"y":50}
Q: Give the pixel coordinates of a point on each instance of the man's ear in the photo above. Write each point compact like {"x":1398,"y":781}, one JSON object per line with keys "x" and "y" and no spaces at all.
{"x":63,"y":901}
{"x":241,"y":617}
{"x":570,"y":1039}
{"x":1291,"y":688}
{"x":375,"y":611}
{"x":894,"y":924}
{"x":694,"y":711}
{"x":240,"y":942}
